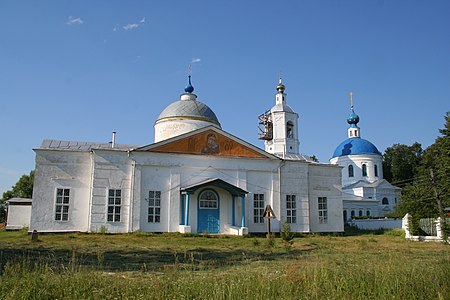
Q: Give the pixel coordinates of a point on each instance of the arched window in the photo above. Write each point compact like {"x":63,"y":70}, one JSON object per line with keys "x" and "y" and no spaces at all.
{"x":360,"y":213}
{"x":368,"y":213}
{"x":352,"y":214}
{"x":385,"y":201}
{"x":375,"y":170}
{"x":290,"y":130}
{"x":364,"y":170}
{"x":208,"y":200}
{"x":345,"y":216}
{"x":350,"y":171}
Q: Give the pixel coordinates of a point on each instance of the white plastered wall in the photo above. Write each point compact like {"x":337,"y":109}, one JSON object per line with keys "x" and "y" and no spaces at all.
{"x":112,"y":170}
{"x":325,"y":181}
{"x":357,"y":161}
{"x":295,"y":181}
{"x":61,"y":169}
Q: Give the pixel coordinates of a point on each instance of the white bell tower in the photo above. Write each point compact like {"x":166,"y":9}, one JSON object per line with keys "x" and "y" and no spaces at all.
{"x":280,"y":133}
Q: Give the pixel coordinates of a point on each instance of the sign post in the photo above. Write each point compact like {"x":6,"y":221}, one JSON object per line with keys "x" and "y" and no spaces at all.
{"x":268,"y":214}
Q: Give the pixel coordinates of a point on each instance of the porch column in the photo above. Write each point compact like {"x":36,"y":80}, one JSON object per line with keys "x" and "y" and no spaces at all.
{"x":186,"y":210}
{"x":243,"y":210}
{"x":233,"y":217}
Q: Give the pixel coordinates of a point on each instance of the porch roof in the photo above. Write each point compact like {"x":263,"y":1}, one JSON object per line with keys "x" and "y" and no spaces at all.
{"x":234,"y":190}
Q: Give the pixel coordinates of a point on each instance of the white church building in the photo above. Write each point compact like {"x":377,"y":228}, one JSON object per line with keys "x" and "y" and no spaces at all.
{"x":364,"y":191}
{"x":195,"y":177}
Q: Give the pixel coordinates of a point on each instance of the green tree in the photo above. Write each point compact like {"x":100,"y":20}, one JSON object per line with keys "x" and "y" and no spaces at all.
{"x":400,"y":162}
{"x":430,"y":191}
{"x":22,"y":189}
{"x":314,"y":158}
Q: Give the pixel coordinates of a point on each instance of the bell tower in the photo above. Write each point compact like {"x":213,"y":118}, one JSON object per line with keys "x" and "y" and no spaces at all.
{"x":279,"y":126}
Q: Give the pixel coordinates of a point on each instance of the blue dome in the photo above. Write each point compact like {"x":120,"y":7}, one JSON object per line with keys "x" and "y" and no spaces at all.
{"x":353,"y":119}
{"x":353,"y":146}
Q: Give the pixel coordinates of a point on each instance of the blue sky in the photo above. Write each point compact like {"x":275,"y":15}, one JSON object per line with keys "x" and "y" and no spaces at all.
{"x":78,"y":70}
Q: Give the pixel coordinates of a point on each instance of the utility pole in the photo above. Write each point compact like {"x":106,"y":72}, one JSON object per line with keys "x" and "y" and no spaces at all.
{"x":437,"y":196}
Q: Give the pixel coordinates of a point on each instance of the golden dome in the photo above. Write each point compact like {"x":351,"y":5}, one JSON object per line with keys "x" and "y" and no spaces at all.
{"x":280,"y":87}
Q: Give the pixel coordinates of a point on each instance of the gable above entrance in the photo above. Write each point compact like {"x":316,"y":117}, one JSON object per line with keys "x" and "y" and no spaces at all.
{"x":234,"y":190}
{"x":208,"y":141}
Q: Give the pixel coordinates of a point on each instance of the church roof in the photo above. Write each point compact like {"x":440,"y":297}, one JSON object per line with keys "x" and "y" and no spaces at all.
{"x":353,"y":197}
{"x":281,"y":107}
{"x":19,"y":201}
{"x":354,"y":146}
{"x":81,"y":146}
{"x":375,"y":184}
{"x":189,"y":108}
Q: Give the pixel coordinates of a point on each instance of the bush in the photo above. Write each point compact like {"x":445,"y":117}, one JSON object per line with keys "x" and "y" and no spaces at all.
{"x":287,"y":235}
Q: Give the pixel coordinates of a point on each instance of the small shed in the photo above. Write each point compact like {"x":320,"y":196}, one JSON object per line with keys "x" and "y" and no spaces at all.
{"x":18,"y":213}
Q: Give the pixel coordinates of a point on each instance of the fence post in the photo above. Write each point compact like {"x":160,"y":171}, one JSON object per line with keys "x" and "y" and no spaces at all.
{"x":439,"y":233}
{"x":405,"y":226}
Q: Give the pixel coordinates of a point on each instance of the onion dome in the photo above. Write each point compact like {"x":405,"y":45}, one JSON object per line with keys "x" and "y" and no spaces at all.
{"x":189,"y":88}
{"x":354,"y":146}
{"x":280,"y":87}
{"x":353,"y":119}
{"x":280,"y":103}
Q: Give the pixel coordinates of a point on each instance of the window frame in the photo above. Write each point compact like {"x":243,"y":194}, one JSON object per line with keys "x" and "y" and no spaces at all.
{"x":351,"y":171}
{"x":208,"y":203}
{"x":114,"y":206}
{"x":62,"y":207}
{"x":322,"y":210}
{"x":289,"y":129}
{"x":258,"y":208}
{"x":291,"y":209}
{"x":154,"y":206}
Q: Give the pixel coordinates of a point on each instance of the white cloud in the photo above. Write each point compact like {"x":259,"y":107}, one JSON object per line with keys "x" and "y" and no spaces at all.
{"x":195,"y":60}
{"x":133,"y":25}
{"x":115,"y":28}
{"x":130,"y":26}
{"x":74,"y":21}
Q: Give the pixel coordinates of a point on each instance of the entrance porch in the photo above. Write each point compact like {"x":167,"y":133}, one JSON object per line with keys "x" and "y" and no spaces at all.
{"x":213,"y":206}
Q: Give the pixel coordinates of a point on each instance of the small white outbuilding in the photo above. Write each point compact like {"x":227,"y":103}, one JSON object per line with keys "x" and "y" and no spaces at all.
{"x":18,"y":213}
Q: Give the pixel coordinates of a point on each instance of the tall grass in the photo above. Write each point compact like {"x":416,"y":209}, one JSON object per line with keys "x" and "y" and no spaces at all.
{"x":299,"y":280}
{"x":178,"y":267}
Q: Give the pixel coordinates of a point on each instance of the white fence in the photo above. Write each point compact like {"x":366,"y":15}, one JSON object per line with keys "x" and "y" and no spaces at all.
{"x":374,"y":224}
{"x":439,"y":237}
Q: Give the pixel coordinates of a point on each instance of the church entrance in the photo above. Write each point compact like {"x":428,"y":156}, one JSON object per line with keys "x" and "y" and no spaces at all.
{"x":208,"y":212}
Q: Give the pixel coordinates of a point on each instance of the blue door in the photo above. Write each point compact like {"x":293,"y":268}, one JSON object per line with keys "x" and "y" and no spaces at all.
{"x":208,"y":212}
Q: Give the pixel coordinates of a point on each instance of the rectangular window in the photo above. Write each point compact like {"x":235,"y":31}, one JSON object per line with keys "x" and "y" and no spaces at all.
{"x":291,"y":209}
{"x":154,"y":207}
{"x":62,"y":204}
{"x":258,"y":208}
{"x":323,"y":211}
{"x":114,"y":205}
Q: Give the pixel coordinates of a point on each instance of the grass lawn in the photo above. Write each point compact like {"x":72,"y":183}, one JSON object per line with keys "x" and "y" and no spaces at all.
{"x":173,"y":266}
